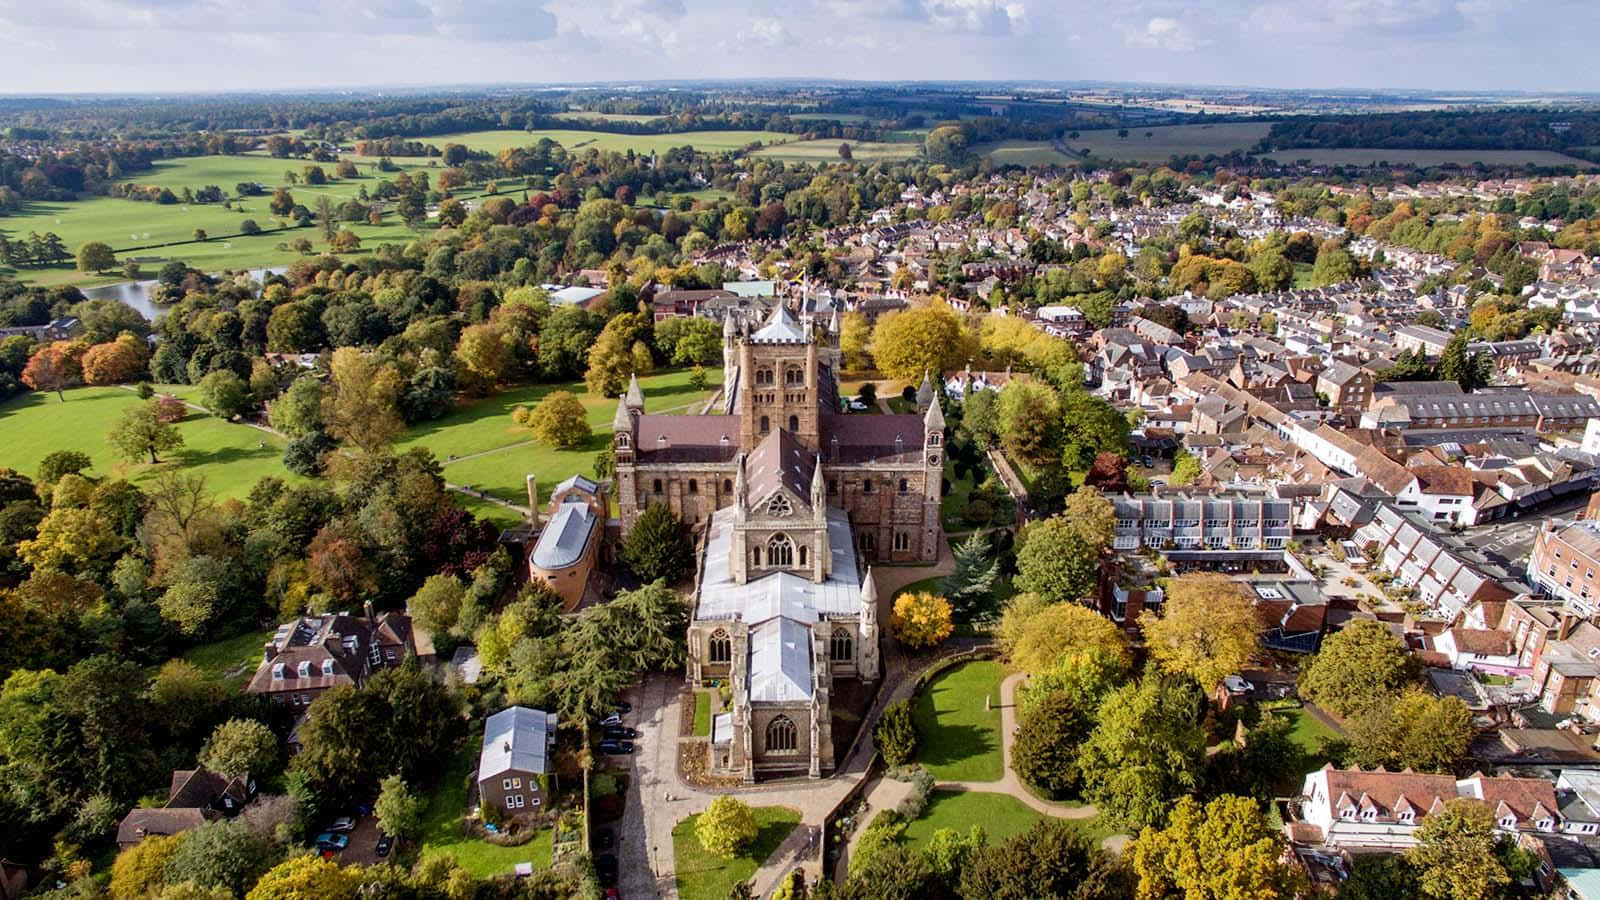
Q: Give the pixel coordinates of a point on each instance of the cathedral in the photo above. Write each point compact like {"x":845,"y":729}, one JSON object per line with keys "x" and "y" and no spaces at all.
{"x":792,"y":502}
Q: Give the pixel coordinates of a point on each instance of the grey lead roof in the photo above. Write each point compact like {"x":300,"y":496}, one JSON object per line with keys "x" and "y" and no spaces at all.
{"x":780,"y":328}
{"x":516,"y":739}
{"x":561,"y":543}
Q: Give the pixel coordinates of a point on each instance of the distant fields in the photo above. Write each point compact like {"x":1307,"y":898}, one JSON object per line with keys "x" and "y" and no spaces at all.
{"x":589,"y":116}
{"x":1025,"y":153}
{"x":1369,"y":156}
{"x":827,"y":150}
{"x":1167,"y":141}
{"x":574,"y":140}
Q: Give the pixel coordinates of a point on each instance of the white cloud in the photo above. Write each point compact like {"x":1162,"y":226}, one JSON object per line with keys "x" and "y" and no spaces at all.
{"x":973,"y":16}
{"x":769,"y":33}
{"x":1164,"y":33}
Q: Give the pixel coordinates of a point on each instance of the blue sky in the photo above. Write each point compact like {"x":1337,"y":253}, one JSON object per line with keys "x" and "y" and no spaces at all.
{"x":187,"y":45}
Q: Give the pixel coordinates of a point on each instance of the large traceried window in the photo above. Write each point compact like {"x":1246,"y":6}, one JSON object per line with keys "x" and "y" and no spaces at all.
{"x":782,"y":736}
{"x":779,"y":505}
{"x":780,"y":551}
{"x":721,"y":647}
{"x":840,"y":647}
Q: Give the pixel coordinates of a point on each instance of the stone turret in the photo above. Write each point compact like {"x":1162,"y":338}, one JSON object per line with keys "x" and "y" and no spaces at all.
{"x":635,"y":397}
{"x":867,"y":662}
{"x":925,"y":393}
{"x":933,"y":423}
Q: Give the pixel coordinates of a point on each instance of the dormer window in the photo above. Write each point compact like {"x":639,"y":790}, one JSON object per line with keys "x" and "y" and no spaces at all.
{"x":304,"y":669}
{"x":1408,"y":817}
{"x":327,"y":668}
{"x":1508,"y":822}
{"x":278,"y":671}
{"x":1369,"y":814}
{"x":1545,"y":824}
{"x":1348,"y":813}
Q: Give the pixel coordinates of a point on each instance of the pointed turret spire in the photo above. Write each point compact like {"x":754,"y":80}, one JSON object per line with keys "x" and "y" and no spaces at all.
{"x":869,"y":598}
{"x":729,"y":329}
{"x":867,"y":652}
{"x":925,"y":392}
{"x":819,"y":497}
{"x":623,"y":420}
{"x":740,"y":498}
{"x":834,"y":324}
{"x":934,"y":420}
{"x":635,"y":396}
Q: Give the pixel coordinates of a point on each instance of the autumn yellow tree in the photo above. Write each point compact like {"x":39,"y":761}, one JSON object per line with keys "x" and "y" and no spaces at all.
{"x":116,"y":362}
{"x":362,"y":407}
{"x":925,"y":338}
{"x":1224,"y":849}
{"x":921,"y":619}
{"x":855,"y":334}
{"x":726,"y":826}
{"x":1063,"y":628}
{"x":1206,"y":630}
{"x":559,"y":421}
{"x":484,"y":353}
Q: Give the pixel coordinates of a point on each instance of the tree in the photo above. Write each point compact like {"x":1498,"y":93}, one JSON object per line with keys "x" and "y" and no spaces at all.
{"x":361,"y":408}
{"x":845,"y":153}
{"x":724,"y":828}
{"x":1045,"y":751}
{"x":220,"y":854}
{"x":923,"y":339}
{"x":298,"y":410}
{"x":1091,"y":426}
{"x":225,"y":394}
{"x":58,"y":463}
{"x":1415,"y":730}
{"x":140,"y":870}
{"x":240,"y":747}
{"x":970,"y":587}
{"x":484,"y":352}
{"x":1185,"y":469}
{"x":399,"y":810}
{"x":945,"y":145}
{"x":560,"y":421}
{"x":1065,"y":628}
{"x":304,"y":877}
{"x":345,"y":241}
{"x":657,"y":547}
{"x":1455,"y":857}
{"x":1146,"y":750}
{"x":55,"y":367}
{"x":855,"y":334}
{"x":612,"y":358}
{"x":95,"y":256}
{"x":1052,"y":859}
{"x":896,"y":733}
{"x":1056,"y":562}
{"x":139,"y":432}
{"x":116,"y":362}
{"x":1092,"y":516}
{"x":204,"y":589}
{"x":921,"y":619}
{"x":1028,"y":415}
{"x":437,"y":604}
{"x":1360,"y":664}
{"x":1471,"y":372}
{"x":282,"y":202}
{"x":1334,"y":265}
{"x":72,"y":540}
{"x":1207,"y":629}
{"x":1226,"y":849}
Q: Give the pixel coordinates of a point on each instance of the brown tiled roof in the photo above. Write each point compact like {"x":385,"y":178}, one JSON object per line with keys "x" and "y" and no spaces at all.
{"x":1385,"y":789}
{"x":1529,"y":799}
{"x":1482,"y":642}
{"x":1383,"y":471}
{"x":195,"y":787}
{"x":688,"y":438}
{"x":141,"y":823}
{"x":1448,"y":480}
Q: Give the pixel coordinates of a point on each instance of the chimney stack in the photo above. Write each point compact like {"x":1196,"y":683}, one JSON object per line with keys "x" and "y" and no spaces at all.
{"x":533,"y":500}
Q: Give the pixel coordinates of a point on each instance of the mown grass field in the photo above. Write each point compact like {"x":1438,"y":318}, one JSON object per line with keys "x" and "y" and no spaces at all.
{"x":128,"y":224}
{"x":705,"y":876}
{"x":1001,"y":815}
{"x":1025,"y":153}
{"x":584,"y":115}
{"x":508,"y":452}
{"x":1167,"y":141}
{"x":960,"y":737}
{"x":575,"y":140}
{"x":231,"y":457}
{"x":827,"y":150}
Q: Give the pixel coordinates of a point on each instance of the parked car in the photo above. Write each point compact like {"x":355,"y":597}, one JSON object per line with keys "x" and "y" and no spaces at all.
{"x":616,"y":748}
{"x":604,"y":839}
{"x":385,"y":844}
{"x":605,"y":866}
{"x":857,"y":404}
{"x":621,"y":733}
{"x":611,"y":721}
{"x":330,"y":841}
{"x":343,"y":823}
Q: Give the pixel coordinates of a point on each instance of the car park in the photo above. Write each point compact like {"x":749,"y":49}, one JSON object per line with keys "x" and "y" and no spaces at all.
{"x":611,"y":721}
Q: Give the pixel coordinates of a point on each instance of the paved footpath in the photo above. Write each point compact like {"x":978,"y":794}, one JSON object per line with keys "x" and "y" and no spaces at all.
{"x":658,"y":799}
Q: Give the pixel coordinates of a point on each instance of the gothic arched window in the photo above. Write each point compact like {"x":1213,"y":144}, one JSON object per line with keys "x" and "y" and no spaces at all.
{"x":904,"y":486}
{"x":840,"y":647}
{"x":782,"y":737}
{"x":763,"y":376}
{"x":721,"y":647}
{"x":794,"y":423}
{"x":727,"y":485}
{"x":766,"y":425}
{"x":793,"y":376}
{"x":694,"y":486}
{"x":802,"y":555}
{"x":780,"y":551}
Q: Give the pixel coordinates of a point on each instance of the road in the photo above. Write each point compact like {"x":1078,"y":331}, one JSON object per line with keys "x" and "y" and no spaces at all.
{"x":1508,"y":542}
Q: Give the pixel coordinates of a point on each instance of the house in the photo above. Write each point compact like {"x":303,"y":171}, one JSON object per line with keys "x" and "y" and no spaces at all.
{"x":518,"y":744}
{"x":314,"y":653}
{"x":1351,"y":809}
{"x":1348,"y":388}
{"x":1563,"y":563}
{"x":195,"y":797}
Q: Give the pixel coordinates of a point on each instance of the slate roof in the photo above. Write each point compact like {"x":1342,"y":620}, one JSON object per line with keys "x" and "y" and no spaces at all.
{"x":780,"y":661}
{"x":780,"y":459}
{"x":516,"y":739}
{"x":781,"y":328}
{"x":688,"y":438}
